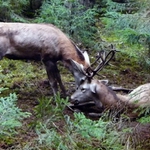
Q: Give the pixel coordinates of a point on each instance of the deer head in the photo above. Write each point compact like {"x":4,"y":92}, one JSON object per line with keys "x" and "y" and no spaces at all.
{"x":87,"y":87}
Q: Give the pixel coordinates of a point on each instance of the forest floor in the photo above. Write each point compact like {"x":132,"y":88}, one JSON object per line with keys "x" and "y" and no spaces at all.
{"x":122,"y":73}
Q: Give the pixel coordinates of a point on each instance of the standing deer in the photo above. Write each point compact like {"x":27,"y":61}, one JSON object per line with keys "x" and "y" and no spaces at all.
{"x":46,"y":43}
{"x":104,"y":96}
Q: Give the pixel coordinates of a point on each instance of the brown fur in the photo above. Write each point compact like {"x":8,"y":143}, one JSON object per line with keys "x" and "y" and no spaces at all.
{"x":43,"y":42}
{"x":100,"y":93}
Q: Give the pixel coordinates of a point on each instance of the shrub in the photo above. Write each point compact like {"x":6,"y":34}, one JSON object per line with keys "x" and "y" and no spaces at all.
{"x":128,"y":23}
{"x":10,"y":115}
{"x":80,"y":133}
{"x":11,"y":10}
{"x":72,"y":17}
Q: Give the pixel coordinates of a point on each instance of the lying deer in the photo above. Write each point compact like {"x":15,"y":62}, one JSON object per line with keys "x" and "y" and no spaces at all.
{"x":46,"y":43}
{"x":104,"y":96}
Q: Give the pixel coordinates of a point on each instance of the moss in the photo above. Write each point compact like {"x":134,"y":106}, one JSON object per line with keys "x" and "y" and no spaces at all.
{"x":6,"y":141}
{"x":20,"y":74}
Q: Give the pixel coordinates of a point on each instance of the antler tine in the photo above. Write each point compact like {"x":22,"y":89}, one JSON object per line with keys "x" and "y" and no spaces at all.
{"x":100,"y":66}
{"x":90,"y":71}
{"x":105,"y":62}
{"x":98,"y":58}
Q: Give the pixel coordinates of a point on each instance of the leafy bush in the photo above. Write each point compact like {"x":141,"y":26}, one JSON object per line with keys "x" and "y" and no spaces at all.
{"x":128,"y":23}
{"x":11,"y":10}
{"x":10,"y":115}
{"x":72,"y":17}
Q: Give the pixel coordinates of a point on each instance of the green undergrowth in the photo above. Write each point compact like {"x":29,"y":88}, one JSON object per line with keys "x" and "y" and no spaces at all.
{"x":55,"y":129}
{"x":135,"y":52}
{"x":128,"y":30}
{"x":124,"y":70}
{"x":10,"y":117}
{"x":50,"y":123}
{"x":19,"y":74}
{"x":25,"y":77}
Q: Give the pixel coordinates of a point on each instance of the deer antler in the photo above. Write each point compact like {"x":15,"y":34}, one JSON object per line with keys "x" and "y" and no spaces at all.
{"x":104,"y":59}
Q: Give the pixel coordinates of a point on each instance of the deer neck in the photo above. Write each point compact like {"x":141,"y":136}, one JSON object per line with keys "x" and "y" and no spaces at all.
{"x":107,"y":97}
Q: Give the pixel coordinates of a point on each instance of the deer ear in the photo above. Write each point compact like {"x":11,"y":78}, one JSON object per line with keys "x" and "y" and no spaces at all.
{"x":104,"y":81}
{"x":86,"y":56}
{"x":93,"y":88}
{"x":76,"y":65}
{"x":78,"y":72}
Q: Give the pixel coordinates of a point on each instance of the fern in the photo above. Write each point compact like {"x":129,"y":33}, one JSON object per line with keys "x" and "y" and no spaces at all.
{"x":10,"y":115}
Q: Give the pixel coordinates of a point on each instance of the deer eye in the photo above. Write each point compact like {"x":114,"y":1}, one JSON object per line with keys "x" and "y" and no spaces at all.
{"x":83,"y":90}
{"x":81,"y":82}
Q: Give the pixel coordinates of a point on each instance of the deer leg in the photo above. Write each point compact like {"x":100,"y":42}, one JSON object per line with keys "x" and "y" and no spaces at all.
{"x":51,"y":71}
{"x":54,"y":76}
{"x":60,"y":82}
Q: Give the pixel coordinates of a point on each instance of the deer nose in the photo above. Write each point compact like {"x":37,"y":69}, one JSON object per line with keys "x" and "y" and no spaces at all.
{"x":76,"y":102}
